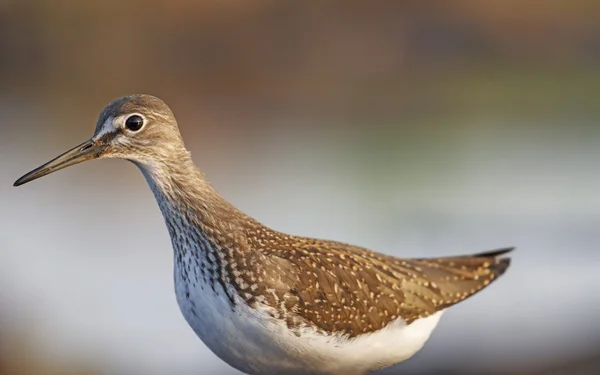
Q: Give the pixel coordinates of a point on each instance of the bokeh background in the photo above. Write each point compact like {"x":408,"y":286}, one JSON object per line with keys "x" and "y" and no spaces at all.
{"x":414,"y":128}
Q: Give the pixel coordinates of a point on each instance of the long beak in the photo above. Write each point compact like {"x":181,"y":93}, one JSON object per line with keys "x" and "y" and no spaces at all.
{"x":90,"y":149}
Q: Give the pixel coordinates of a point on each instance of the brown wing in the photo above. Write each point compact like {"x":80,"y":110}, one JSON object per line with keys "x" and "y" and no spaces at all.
{"x":443,"y":282}
{"x":349,"y":290}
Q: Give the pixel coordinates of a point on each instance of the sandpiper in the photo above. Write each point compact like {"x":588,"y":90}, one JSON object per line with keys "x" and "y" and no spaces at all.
{"x":267,"y":302}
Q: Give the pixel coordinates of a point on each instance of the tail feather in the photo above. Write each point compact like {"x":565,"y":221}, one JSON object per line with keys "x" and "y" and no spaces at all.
{"x":494,"y":253}
{"x":443,"y":282}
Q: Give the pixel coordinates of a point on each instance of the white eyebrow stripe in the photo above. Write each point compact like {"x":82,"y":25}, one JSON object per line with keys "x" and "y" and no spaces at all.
{"x":106,"y":128}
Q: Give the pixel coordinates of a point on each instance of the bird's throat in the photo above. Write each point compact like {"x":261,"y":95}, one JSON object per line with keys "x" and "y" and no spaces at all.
{"x":189,"y":203}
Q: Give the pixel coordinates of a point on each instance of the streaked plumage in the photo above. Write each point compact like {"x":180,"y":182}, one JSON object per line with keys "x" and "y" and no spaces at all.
{"x":273,"y":303}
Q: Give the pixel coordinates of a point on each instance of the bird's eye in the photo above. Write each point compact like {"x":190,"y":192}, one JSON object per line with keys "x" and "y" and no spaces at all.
{"x":134,"y":122}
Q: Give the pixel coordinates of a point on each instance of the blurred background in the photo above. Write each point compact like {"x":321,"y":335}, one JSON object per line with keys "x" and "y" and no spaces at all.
{"x":413,"y":128}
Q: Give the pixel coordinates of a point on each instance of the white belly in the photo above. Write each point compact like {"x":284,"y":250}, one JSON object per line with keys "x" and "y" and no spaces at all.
{"x":253,"y":342}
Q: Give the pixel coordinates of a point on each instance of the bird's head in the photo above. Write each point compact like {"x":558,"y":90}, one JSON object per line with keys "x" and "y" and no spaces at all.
{"x":139,"y":128}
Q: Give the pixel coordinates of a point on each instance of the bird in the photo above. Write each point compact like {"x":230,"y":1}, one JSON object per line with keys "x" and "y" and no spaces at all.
{"x":267,"y":302}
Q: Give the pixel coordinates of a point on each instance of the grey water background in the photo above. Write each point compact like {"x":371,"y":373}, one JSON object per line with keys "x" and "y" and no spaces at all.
{"x":408,"y":129}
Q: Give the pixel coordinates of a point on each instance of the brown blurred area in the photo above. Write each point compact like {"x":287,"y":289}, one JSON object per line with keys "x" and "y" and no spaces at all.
{"x":237,"y":67}
{"x":348,"y":58}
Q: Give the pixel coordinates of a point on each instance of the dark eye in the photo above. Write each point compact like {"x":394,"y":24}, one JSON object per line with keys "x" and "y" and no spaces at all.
{"x":134,"y":123}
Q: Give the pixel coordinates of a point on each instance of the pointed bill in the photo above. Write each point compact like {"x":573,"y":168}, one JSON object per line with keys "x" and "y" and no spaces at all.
{"x":88,"y":150}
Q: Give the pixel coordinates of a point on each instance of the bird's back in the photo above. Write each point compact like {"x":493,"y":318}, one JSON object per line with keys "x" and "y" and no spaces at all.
{"x":348,"y":290}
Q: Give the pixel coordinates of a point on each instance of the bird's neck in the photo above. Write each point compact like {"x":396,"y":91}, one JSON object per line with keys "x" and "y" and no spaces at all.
{"x":188,"y":202}
{"x":207,"y":232}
